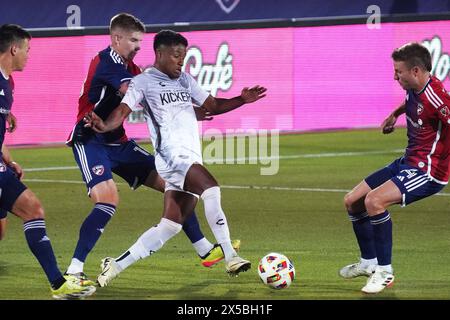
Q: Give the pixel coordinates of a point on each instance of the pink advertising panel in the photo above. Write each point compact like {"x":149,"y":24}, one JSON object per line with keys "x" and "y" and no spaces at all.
{"x":317,"y":77}
{"x":344,"y":74}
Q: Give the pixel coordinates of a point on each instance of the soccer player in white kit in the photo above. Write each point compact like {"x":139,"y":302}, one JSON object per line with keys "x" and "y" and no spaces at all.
{"x":166,"y":95}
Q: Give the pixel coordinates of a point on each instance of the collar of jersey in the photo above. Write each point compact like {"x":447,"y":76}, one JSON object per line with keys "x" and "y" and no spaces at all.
{"x":163,"y":74}
{"x":120,"y":57}
{"x":421,"y":91}
{"x":3,"y":74}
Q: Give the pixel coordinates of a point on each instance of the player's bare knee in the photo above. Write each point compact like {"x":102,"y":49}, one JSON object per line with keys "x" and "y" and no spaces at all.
{"x":39,"y":212}
{"x":373,"y":204}
{"x":34,"y":210}
{"x":105,"y":193}
{"x":348,"y":201}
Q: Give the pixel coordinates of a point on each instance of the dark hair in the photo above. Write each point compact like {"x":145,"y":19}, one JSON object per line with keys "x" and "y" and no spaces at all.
{"x":168,"y":38}
{"x":414,"y":55}
{"x":127,"y":22}
{"x":11,"y":33}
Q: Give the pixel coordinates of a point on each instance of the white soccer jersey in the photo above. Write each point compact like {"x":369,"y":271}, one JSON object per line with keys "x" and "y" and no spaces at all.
{"x":170,"y":116}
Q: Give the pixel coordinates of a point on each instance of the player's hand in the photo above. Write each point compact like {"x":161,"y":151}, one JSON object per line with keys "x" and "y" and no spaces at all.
{"x":253,"y":94}
{"x":202,"y":114}
{"x":12,"y":122}
{"x":17,"y":169}
{"x":388,"y":125}
{"x":93,"y":121}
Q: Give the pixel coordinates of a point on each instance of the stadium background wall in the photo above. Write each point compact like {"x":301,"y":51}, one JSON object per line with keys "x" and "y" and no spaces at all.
{"x":321,"y":73}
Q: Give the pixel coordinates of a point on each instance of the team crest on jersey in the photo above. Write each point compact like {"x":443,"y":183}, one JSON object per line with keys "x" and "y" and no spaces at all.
{"x":444,"y":111}
{"x":2,"y":167}
{"x":98,"y":170}
{"x":419,"y":109}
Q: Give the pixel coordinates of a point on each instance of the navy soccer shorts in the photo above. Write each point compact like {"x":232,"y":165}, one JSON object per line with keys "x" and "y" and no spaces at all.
{"x":413,"y":183}
{"x":10,"y":189}
{"x":98,"y":161}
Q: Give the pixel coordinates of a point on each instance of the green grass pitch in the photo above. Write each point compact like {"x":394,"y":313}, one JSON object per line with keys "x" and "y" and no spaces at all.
{"x":298,"y":212}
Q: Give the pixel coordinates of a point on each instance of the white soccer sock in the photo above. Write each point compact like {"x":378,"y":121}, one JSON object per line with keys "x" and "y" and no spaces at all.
{"x":367,"y":262}
{"x":217,"y":220}
{"x":149,"y":242}
{"x":76,"y":266}
{"x":387,"y":268}
{"x":202,"y":246}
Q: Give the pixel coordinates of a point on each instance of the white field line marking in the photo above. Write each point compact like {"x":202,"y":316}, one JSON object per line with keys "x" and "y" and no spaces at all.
{"x":228,"y":160}
{"x":276,"y":188}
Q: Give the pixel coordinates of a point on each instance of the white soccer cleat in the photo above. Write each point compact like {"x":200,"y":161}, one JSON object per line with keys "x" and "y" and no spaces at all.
{"x":110,"y":270}
{"x":356,"y":270}
{"x":236,"y":265}
{"x":378,"y":281}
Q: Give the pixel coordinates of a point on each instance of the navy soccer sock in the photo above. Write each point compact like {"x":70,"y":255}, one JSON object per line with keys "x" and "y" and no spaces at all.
{"x":39,"y":243}
{"x":92,"y":228}
{"x":192,"y":228}
{"x":364,"y":234}
{"x":382,"y":229}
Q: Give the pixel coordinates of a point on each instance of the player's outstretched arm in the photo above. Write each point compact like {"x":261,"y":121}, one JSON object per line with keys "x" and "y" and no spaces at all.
{"x":202,"y":114}
{"x":248,"y":95}
{"x":115,"y":119}
{"x":388,"y":125}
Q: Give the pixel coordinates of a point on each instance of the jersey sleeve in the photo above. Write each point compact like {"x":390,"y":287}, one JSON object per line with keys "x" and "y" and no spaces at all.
{"x":440,"y":100}
{"x":198,"y":94}
{"x":135,"y":94}
{"x":3,"y":101}
{"x":112,"y":73}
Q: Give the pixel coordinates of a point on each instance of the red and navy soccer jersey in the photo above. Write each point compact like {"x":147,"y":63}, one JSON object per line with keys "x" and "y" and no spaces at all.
{"x":10,"y":186}
{"x":6,"y":100}
{"x":428,"y":124}
{"x":100,"y":93}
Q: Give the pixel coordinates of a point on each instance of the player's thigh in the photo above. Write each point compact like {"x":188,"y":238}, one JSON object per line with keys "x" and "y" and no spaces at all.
{"x":198,"y":179}
{"x":94,"y":163}
{"x":10,"y":188}
{"x":27,"y":206}
{"x":105,"y":192}
{"x":415,"y":185}
{"x":354,"y":200}
{"x":183,"y":169}
{"x":135,"y":165}
{"x":178,"y":205}
{"x":382,"y":175}
{"x":155,"y":181}
{"x":384,"y":196}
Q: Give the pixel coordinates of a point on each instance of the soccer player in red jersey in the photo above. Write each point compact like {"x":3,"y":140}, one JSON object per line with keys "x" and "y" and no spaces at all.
{"x":422,"y":171}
